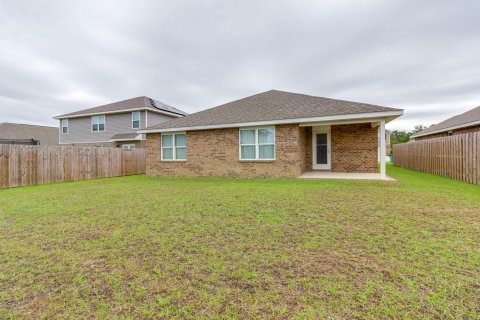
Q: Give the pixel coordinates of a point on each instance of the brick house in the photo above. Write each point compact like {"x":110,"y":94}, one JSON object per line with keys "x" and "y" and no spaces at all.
{"x":271,"y":134}
{"x":466,"y":122}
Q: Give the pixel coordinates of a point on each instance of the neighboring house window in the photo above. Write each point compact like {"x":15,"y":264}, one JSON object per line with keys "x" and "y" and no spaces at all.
{"x":136,"y":120}
{"x":450,"y":133}
{"x":257,"y":144}
{"x":98,"y":123}
{"x":64,"y":126}
{"x":128,"y":146}
{"x":174,"y":146}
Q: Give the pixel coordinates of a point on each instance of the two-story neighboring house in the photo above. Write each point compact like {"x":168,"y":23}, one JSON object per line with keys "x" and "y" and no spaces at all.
{"x":115,"y":124}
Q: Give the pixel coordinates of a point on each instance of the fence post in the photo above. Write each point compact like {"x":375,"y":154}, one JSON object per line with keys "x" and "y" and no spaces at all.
{"x":23,"y":165}
{"x":456,"y":157}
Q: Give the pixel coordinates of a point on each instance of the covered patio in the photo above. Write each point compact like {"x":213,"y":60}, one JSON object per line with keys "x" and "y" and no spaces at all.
{"x":345,"y":149}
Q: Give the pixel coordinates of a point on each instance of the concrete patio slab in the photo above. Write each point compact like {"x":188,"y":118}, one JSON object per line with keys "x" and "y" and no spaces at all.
{"x":343,"y":175}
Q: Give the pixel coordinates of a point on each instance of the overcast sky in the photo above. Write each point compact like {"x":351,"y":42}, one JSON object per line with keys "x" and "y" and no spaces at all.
{"x":62,"y":56}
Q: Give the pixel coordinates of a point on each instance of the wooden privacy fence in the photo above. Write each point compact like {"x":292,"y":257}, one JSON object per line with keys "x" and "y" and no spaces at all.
{"x":27,"y":165}
{"x":456,"y":157}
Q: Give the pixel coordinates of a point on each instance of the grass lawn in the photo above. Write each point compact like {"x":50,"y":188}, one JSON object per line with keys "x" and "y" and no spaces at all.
{"x":142,"y":247}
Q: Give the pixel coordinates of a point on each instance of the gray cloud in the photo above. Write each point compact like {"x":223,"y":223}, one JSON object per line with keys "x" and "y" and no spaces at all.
{"x":60,"y":56}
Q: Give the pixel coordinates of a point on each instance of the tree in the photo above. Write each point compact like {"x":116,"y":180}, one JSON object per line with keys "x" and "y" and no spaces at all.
{"x":399,"y":136}
{"x":419,"y":128}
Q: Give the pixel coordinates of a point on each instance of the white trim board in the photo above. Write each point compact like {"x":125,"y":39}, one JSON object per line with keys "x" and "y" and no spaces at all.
{"x":257,"y":144}
{"x":370,"y":115}
{"x":339,"y":122}
{"x":174,"y":146}
{"x":460,"y":126}
{"x":322,"y":130}
{"x":138,"y":137}
{"x":120,"y":140}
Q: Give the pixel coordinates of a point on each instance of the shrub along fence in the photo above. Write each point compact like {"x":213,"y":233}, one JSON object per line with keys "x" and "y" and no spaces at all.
{"x":27,"y":165}
{"x":456,"y":157}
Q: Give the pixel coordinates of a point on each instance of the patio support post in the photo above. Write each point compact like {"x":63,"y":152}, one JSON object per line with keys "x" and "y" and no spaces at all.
{"x":383,"y":150}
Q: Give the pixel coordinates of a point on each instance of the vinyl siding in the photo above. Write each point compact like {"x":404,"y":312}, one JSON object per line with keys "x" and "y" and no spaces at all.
{"x":80,"y":129}
{"x":156,"y":118}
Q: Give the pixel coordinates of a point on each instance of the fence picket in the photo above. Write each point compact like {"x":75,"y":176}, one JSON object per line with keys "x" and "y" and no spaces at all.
{"x":22,"y":165}
{"x":456,"y":157}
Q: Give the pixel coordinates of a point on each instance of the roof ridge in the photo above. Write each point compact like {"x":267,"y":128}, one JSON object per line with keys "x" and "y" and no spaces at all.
{"x":438,"y":127}
{"x":140,"y":102}
{"x":332,"y":99}
{"x":274,"y":105}
{"x":28,"y":124}
{"x":152,"y":103}
{"x":460,"y":114}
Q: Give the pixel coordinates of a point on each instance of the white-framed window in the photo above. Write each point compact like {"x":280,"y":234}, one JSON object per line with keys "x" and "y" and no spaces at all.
{"x":450,"y":133}
{"x":98,"y":123}
{"x":174,"y":146}
{"x":257,"y":144}
{"x":128,"y":146}
{"x":136,"y":120}
{"x":64,"y":125}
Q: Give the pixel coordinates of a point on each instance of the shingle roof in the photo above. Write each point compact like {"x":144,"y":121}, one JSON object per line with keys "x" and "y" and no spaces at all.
{"x":134,"y":103}
{"x":46,"y":135}
{"x":124,"y":136}
{"x":268,"y":106}
{"x":463,"y":119}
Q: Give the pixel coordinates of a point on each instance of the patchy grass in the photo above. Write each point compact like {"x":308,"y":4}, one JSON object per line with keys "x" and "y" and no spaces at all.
{"x":142,"y":247}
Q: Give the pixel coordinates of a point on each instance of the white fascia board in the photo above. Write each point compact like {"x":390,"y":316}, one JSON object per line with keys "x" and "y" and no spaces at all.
{"x":393,"y":114}
{"x":137,"y":138}
{"x":338,"y":122}
{"x":118,"y":111}
{"x":120,"y":140}
{"x":460,"y":126}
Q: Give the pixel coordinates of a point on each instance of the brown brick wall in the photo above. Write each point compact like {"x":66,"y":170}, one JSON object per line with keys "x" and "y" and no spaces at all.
{"x":354,"y":148}
{"x":454,"y":132}
{"x":308,"y":149}
{"x":467,"y":130}
{"x":216,"y":153}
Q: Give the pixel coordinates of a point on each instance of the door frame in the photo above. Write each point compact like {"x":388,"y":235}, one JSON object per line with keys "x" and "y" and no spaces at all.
{"x":315,"y":131}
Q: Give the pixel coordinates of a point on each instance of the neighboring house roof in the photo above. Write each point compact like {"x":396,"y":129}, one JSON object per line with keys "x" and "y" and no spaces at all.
{"x":46,"y":135}
{"x":139,"y":103}
{"x":126,"y":136}
{"x":274,"y":107}
{"x":466,"y":119}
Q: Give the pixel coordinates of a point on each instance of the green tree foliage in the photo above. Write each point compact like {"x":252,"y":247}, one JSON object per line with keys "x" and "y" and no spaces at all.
{"x":419,"y":128}
{"x":399,"y":136}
